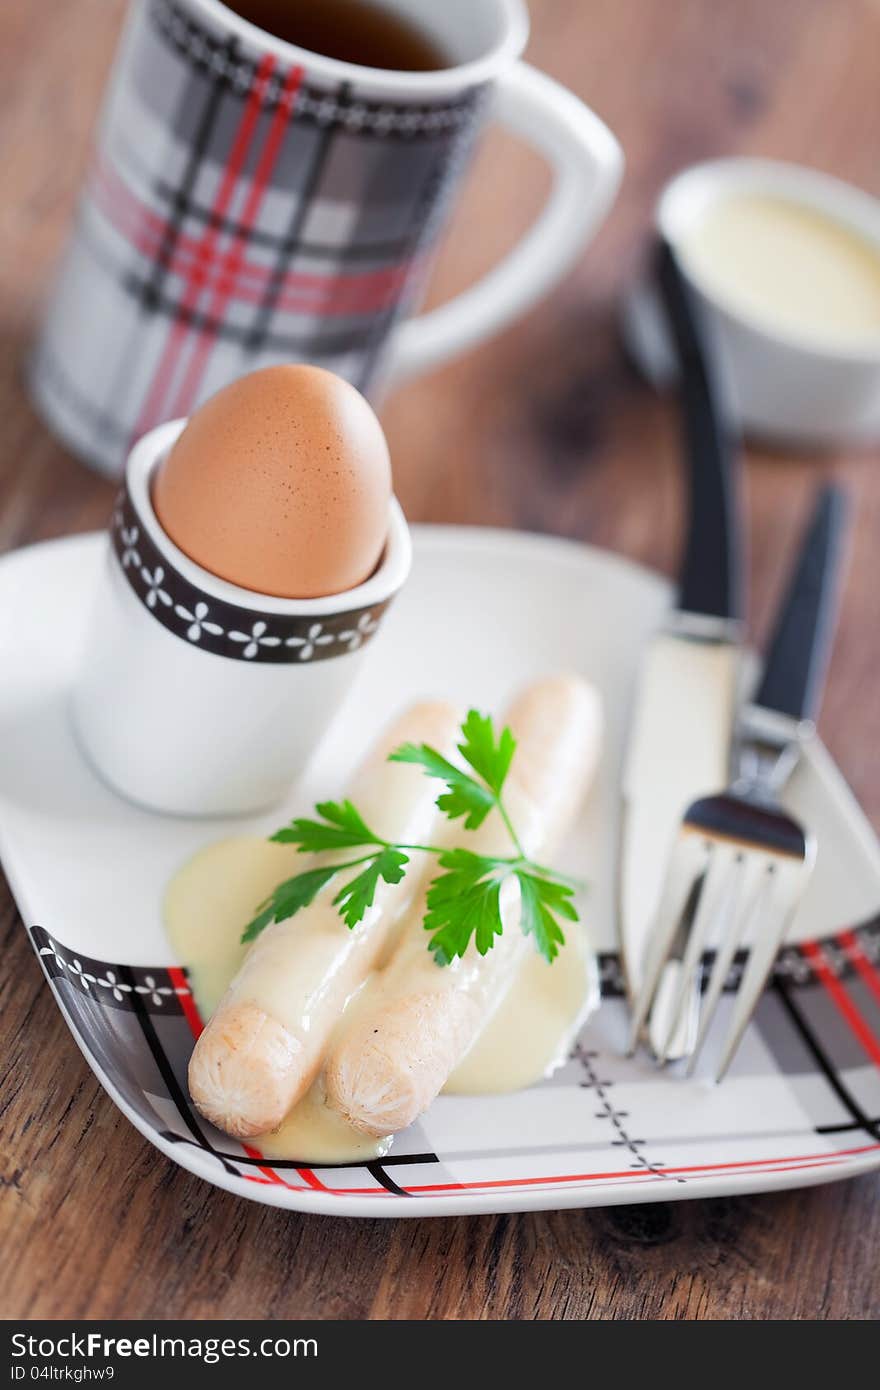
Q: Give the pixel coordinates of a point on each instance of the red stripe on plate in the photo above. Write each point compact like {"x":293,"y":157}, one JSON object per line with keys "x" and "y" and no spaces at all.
{"x":194,"y":1019}
{"x":865,"y":967}
{"x":614,"y":1180}
{"x":312,"y":1179}
{"x":185,"y":999}
{"x":769,"y":1165}
{"x":858,"y":1024}
{"x":153,"y":406}
{"x":270,"y":1174}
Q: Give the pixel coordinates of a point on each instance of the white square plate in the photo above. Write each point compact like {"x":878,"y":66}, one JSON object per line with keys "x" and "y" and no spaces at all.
{"x":484,"y":612}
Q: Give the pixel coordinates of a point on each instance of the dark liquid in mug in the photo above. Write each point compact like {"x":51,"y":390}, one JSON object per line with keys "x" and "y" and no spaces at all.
{"x":351,"y":30}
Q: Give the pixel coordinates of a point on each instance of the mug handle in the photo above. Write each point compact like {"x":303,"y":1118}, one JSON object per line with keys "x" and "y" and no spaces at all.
{"x":588,"y":165}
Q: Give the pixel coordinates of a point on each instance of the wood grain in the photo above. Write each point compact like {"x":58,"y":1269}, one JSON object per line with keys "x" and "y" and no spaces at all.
{"x":545,"y":428}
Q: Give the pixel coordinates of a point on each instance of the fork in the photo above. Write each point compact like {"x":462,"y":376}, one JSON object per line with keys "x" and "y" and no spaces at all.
{"x":741,"y":863}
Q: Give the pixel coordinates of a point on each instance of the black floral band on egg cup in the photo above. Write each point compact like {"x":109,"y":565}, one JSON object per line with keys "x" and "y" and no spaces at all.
{"x":229,"y":629}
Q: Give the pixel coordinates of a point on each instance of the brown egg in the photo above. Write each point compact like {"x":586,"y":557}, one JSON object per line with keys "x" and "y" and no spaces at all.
{"x":280,"y":483}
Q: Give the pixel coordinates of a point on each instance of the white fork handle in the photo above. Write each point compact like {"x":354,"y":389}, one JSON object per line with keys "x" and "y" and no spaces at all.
{"x":587,"y":162}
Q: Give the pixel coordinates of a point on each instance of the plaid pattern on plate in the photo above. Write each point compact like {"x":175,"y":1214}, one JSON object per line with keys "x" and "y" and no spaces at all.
{"x":802,"y":1095}
{"x":235,"y":215}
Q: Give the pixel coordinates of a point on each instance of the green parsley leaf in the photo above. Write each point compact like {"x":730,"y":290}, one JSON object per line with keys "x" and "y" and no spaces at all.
{"x":341,"y":827}
{"x":490,"y":760}
{"x":357,"y":895}
{"x":542,"y":901}
{"x":464,"y":902}
{"x":288,"y":898}
{"x":463,"y":797}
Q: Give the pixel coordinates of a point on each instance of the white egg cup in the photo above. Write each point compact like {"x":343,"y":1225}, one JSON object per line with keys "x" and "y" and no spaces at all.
{"x":196,"y":696}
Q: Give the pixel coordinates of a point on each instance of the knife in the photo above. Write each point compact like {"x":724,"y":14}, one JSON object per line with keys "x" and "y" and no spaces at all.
{"x":680,"y":738}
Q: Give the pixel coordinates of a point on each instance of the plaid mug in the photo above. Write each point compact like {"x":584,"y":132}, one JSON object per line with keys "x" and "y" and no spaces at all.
{"x":249,"y":202}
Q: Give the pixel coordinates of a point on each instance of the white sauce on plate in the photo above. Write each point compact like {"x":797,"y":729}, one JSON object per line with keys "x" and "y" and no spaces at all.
{"x":214,"y":895}
{"x":790,"y":266}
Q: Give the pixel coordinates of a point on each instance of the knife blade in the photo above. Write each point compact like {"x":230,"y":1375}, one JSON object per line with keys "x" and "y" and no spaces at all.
{"x":680,"y":737}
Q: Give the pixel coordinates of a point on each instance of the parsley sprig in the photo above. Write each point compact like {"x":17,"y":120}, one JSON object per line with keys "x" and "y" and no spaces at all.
{"x":464,"y":899}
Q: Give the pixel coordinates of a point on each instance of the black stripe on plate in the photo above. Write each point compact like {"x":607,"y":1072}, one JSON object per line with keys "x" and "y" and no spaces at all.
{"x":296,"y":1164}
{"x":378,"y":1172}
{"x":845,"y":1129}
{"x":861,"y":1119}
{"x":167,"y":1073}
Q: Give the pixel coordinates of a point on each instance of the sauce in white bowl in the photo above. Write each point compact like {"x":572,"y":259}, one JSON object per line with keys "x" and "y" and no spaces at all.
{"x":790,"y":266}
{"x":785,"y":263}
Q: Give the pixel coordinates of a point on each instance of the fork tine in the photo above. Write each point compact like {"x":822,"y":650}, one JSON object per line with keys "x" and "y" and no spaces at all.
{"x":667,"y":989}
{"x":673,"y":900}
{"x":675,"y":1014}
{"x":733,"y":927}
{"x":709,"y":905}
{"x":762,"y":953}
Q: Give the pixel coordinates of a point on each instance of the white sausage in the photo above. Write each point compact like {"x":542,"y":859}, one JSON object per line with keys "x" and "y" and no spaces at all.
{"x":397,"y":1055}
{"x":264,"y":1044}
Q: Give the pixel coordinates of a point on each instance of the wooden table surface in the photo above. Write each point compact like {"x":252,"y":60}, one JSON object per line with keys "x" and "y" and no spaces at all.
{"x":546,"y":428}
